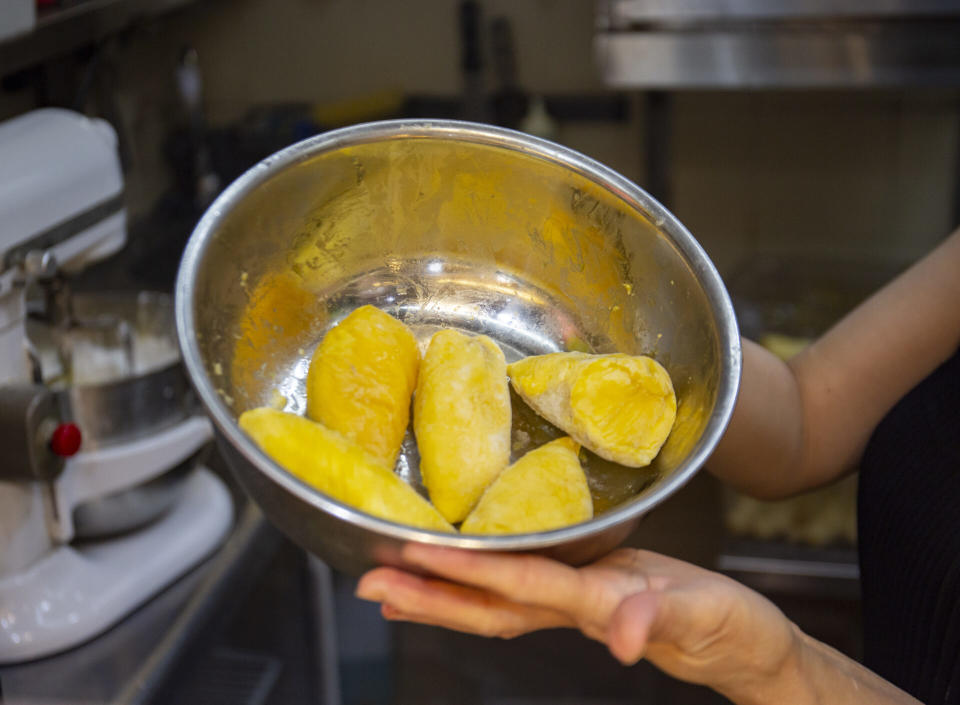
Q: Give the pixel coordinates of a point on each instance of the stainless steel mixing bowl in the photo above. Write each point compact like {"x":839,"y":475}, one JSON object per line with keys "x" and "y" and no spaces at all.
{"x":448,"y":224}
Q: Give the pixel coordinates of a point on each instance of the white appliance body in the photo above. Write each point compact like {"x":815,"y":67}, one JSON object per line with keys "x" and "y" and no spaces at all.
{"x":61,"y":192}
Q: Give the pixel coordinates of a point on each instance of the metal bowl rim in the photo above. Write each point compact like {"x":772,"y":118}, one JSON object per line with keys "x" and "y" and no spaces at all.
{"x":470,"y":133}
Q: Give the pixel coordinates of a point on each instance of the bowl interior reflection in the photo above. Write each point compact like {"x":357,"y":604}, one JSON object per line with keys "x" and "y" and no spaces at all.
{"x":463,"y":226}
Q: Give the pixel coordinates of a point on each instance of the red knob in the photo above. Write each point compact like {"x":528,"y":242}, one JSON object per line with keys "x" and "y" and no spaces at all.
{"x":65,"y":440}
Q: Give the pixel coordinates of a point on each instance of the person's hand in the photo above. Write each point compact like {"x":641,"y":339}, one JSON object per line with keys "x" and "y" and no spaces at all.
{"x":694,"y":624}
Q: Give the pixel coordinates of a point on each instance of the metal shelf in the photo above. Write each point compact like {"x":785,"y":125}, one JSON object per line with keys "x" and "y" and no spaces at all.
{"x":62,"y":30}
{"x":777,"y":44}
{"x":777,"y":567}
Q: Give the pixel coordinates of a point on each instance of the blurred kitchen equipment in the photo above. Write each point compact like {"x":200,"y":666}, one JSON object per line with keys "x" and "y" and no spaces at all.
{"x":537,"y":121}
{"x":190,"y":90}
{"x":509,"y":99}
{"x":446,"y":224}
{"x":471,"y":62}
{"x":511,"y":106}
{"x":96,"y":418}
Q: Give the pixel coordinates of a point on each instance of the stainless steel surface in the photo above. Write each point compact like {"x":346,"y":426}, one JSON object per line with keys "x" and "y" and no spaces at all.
{"x":846,"y":44}
{"x":776,"y":567}
{"x":129,"y":409}
{"x":325,"y":626}
{"x":447,"y":224}
{"x":28,"y":417}
{"x":624,"y":13}
{"x":131,"y":662}
{"x":134,"y":404}
{"x":48,"y":300}
{"x":134,"y":507}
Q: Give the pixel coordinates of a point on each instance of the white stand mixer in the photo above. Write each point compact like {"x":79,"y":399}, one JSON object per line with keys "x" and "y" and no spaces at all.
{"x":101,"y":505}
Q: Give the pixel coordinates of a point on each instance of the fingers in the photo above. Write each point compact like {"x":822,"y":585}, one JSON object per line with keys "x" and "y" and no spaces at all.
{"x":527,"y":579}
{"x":620,"y":599}
{"x":630,"y":626}
{"x":465,"y":609}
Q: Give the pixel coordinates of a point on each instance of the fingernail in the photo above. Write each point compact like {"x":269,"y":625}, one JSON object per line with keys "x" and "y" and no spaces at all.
{"x":365,"y":591}
{"x":389,"y":612}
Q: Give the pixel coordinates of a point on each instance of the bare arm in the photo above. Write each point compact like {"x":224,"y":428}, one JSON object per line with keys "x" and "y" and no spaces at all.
{"x":802,"y":424}
{"x":827,"y":676}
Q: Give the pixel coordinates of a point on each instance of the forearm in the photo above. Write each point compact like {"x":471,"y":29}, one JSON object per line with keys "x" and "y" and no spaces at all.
{"x":833,"y":679}
{"x":760,"y":452}
{"x":800,"y":425}
{"x":821,"y":675}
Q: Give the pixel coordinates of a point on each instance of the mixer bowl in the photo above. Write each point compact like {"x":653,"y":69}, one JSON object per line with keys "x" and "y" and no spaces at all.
{"x":125,"y":405}
{"x":448,"y":224}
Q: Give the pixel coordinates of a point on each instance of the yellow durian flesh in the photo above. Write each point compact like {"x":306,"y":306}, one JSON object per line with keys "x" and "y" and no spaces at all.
{"x":545,"y":489}
{"x":461,"y":419}
{"x":622,"y":407}
{"x":339,"y":468}
{"x":361,"y":378}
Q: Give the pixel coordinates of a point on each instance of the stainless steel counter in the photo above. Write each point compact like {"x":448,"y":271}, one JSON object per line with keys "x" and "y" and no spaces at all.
{"x":132,"y":661}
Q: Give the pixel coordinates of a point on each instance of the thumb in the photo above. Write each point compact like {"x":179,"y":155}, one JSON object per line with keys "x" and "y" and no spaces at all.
{"x":631,"y":624}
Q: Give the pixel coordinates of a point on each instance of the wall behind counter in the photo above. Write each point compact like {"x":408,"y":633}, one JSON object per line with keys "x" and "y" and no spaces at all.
{"x":857,"y":175}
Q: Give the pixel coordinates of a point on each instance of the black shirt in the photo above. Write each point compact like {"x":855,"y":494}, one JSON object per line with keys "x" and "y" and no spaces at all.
{"x":909,"y":537}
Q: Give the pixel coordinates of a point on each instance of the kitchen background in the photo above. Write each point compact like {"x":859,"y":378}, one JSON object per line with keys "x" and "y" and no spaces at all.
{"x":805,"y":197}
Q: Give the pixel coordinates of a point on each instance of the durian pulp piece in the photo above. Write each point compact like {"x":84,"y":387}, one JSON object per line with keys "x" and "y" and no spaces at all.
{"x":461,"y":417}
{"x":545,"y":489}
{"x":337,"y":467}
{"x":361,"y":378}
{"x":622,"y":407}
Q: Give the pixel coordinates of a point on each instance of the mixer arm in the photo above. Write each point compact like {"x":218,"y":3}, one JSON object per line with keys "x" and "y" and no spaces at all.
{"x":29,"y":420}
{"x":48,"y":303}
